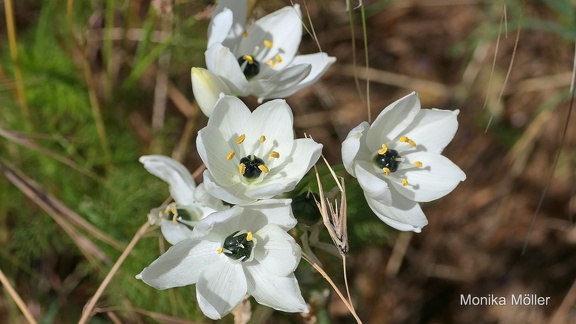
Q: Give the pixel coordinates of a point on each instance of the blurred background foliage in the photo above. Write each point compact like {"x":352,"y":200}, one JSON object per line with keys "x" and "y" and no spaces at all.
{"x":85,"y":92}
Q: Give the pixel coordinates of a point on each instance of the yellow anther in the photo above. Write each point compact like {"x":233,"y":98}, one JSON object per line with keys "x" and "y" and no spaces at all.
{"x":220,"y":250}
{"x":262,"y":139}
{"x":248,"y":58}
{"x":268,"y":43}
{"x":240,"y":139}
{"x":274,"y":155}
{"x":418,"y":164}
{"x":263,"y":168}
{"x":249,"y":236}
{"x":245,"y":34}
{"x":383,"y":150}
{"x":404,"y":182}
{"x":230,"y":155}
{"x":278,"y":58}
{"x":386,"y":170}
{"x":271,"y":63}
{"x":411,"y":142}
{"x":403,"y":139}
{"x":242,"y":168}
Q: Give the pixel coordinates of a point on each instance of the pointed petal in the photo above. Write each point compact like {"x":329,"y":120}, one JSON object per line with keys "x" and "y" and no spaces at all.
{"x":181,"y":265}
{"x":239,"y":11}
{"x":283,"y":28}
{"x":403,"y":214}
{"x":174,"y":173}
{"x":373,"y":185}
{"x":305,"y":154}
{"x":276,"y":250}
{"x":232,"y":194}
{"x":213,"y":149}
{"x":230,"y":116}
{"x":320,"y":62}
{"x":280,"y":293}
{"x":280,"y":82}
{"x":437,"y":178}
{"x":207,"y":88}
{"x":223,"y":63}
{"x":393,"y":121}
{"x":433,"y":129}
{"x":174,"y":232}
{"x":354,"y":147}
{"x":220,"y":288}
{"x":220,"y":25}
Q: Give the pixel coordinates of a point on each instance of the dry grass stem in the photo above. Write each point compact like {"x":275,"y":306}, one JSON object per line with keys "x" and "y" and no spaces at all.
{"x":14,"y":295}
{"x":87,"y":312}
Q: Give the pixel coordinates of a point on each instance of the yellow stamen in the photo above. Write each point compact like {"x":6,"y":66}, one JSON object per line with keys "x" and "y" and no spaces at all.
{"x":249,"y":236}
{"x":263,"y":168}
{"x":248,"y":58}
{"x":271,"y":63}
{"x":383,"y":150}
{"x":240,"y":139}
{"x":278,"y":58}
{"x":411,"y":142}
{"x":242,"y":168}
{"x":404,"y":182}
{"x":386,"y":170}
{"x":268,"y":43}
{"x":230,"y":155}
{"x":418,"y":164}
{"x":245,"y":34}
{"x":274,"y":155}
{"x":262,"y":139}
{"x":403,"y":139}
{"x":220,"y":250}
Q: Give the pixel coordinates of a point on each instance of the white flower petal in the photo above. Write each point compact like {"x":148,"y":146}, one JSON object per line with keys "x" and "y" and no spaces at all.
{"x":181,"y":183}
{"x":433,"y":129}
{"x":220,"y":288}
{"x":220,"y":25}
{"x":403,"y":214}
{"x":239,"y":10}
{"x":354,"y":147}
{"x":280,"y":293}
{"x":207,"y":88}
{"x":223,"y":63}
{"x":276,"y":250}
{"x":280,"y":82}
{"x":320,"y":62}
{"x":393,"y":121}
{"x":174,"y":232}
{"x":271,"y":211}
{"x":181,"y":265}
{"x":207,"y":200}
{"x":438,"y":177}
{"x":305,"y":154}
{"x":213,"y":149}
{"x":230,"y":116}
{"x":273,"y":120}
{"x":219,"y":225}
{"x":283,"y":28}
{"x":233,"y":194}
{"x":272,"y":189}
{"x":373,"y":186}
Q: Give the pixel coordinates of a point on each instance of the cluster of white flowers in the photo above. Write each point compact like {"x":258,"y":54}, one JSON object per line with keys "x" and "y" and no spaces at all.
{"x":229,"y":234}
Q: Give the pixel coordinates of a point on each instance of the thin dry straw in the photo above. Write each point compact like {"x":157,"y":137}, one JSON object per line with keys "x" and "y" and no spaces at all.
{"x":19,"y":302}
{"x":88,"y":309}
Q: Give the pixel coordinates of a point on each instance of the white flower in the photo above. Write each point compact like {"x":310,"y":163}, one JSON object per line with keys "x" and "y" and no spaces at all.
{"x":207,"y":88}
{"x":261,"y":60}
{"x":244,"y":249}
{"x":397,"y":161}
{"x":253,"y":155}
{"x":191,"y":203}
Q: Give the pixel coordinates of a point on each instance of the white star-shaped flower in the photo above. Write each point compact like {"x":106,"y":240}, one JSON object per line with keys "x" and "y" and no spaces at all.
{"x":398,"y":163}
{"x":253,"y":155}
{"x":191,"y":203}
{"x":244,"y":249}
{"x":261,"y":60}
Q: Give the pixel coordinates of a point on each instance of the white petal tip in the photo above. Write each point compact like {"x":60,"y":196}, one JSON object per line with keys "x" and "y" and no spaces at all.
{"x":139,"y":276}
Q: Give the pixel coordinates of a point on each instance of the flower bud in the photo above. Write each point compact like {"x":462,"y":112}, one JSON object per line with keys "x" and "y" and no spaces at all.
{"x":207,"y":88}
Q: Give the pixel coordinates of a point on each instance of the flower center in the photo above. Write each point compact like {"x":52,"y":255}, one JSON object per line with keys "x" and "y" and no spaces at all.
{"x":238,"y":246}
{"x":178,"y":215}
{"x":389,"y":160}
{"x":252,"y":166}
{"x":250,"y":67}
